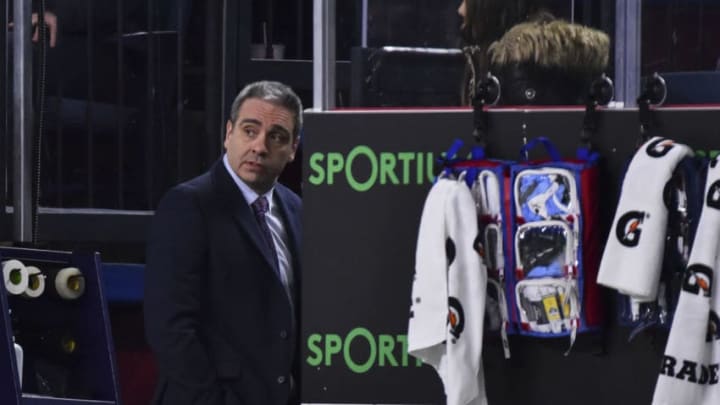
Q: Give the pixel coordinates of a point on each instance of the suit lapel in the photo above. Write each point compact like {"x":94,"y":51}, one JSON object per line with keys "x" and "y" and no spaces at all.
{"x":241,"y":211}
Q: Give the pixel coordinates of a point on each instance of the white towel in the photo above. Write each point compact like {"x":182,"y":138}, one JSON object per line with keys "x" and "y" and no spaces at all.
{"x":689,"y":371}
{"x":632,"y":259}
{"x":445,"y":328}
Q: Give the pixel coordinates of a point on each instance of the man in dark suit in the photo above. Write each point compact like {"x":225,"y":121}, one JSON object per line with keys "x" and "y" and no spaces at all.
{"x":222,"y":274}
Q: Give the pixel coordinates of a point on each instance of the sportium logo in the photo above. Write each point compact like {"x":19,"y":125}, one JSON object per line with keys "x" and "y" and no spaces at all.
{"x":363,"y":168}
{"x":360,"y":350}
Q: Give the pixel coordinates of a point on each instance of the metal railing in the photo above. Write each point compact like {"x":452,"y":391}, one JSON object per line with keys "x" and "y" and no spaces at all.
{"x":111,"y":116}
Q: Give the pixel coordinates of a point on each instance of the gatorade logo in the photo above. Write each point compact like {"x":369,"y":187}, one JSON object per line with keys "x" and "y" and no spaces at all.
{"x":456,"y":317}
{"x":698,"y":278}
{"x":713,"y":196}
{"x":659,"y":148}
{"x":690,"y":371}
{"x":628,"y":228}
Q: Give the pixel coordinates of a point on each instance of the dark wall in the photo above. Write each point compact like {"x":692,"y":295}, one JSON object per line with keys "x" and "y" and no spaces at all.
{"x":359,"y":249}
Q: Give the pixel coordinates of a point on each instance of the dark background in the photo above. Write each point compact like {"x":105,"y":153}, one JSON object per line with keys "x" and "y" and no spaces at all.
{"x":360,"y":246}
{"x":367,"y":239}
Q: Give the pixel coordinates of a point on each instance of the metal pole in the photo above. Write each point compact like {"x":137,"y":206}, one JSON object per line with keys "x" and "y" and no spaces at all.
{"x":300,"y":21}
{"x":214,"y":121}
{"x":324,"y":54}
{"x":4,"y":106}
{"x":628,"y":20}
{"x":22,"y":122}
{"x":363,"y":24}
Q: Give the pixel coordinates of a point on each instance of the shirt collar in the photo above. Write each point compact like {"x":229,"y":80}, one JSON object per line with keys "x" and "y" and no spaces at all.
{"x":249,"y":194}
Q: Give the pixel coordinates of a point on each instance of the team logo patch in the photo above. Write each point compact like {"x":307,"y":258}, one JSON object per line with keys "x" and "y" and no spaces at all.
{"x":456,"y":317}
{"x":698,"y":278}
{"x":713,"y":196}
{"x":628,"y":228}
{"x":713,"y":332}
{"x":659,"y":148}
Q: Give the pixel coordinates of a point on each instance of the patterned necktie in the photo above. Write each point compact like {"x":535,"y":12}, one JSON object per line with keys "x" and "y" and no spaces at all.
{"x":260,"y":207}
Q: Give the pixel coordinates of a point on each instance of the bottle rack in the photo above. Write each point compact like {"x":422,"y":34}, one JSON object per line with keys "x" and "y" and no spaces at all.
{"x":67,"y":350}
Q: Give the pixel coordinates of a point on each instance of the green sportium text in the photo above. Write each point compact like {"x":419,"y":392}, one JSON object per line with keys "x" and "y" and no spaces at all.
{"x":383,"y":168}
{"x":380,"y":350}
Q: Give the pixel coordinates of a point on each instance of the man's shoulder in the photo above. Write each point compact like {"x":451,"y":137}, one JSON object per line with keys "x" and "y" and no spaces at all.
{"x":289,"y":196}
{"x":197,"y":189}
{"x":196,"y":185}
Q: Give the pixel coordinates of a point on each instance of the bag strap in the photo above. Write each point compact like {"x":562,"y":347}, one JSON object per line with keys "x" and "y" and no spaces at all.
{"x":451,"y":158}
{"x":587,"y":154}
{"x":446,"y":162}
{"x":546,"y":143}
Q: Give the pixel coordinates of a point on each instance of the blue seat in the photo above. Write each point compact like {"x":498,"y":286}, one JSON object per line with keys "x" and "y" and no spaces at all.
{"x":123,"y":282}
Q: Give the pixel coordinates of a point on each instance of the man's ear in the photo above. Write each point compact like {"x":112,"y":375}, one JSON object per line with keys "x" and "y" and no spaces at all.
{"x":228,"y":129}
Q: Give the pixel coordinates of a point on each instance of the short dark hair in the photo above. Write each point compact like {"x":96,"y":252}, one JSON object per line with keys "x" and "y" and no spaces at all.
{"x":273,"y":92}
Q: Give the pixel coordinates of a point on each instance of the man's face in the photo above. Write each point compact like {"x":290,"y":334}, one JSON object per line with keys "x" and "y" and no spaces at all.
{"x":260,"y":143}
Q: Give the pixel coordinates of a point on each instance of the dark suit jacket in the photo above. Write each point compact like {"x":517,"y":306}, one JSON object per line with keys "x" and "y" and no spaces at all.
{"x":216,"y":315}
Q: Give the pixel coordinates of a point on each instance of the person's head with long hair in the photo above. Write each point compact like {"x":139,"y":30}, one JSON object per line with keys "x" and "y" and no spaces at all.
{"x":485,"y":21}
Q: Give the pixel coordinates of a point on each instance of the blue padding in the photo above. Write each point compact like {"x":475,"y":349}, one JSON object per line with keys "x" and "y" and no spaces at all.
{"x":123,"y":282}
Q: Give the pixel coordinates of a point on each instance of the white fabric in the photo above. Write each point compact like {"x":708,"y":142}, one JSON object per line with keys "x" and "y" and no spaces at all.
{"x":485,"y":191}
{"x":689,"y":372}
{"x":641,"y":218}
{"x":449,"y":213}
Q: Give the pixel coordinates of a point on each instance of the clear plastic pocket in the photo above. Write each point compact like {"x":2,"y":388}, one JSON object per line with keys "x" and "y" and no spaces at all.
{"x":495,"y":306}
{"x":486,"y":193}
{"x":494,"y":259}
{"x":544,"y":249}
{"x":545,"y":193}
{"x":496,"y":312}
{"x":547,"y":305}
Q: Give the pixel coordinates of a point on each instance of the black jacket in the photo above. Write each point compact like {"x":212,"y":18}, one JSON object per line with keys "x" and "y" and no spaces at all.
{"x":216,"y":315}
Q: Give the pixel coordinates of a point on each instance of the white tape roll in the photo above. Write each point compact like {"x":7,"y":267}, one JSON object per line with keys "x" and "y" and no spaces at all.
{"x":15,"y":276}
{"x":70,"y":283}
{"x":36,"y":283}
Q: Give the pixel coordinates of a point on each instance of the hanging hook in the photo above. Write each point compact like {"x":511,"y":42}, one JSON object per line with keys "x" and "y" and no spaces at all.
{"x":601,"y":92}
{"x":487,"y":92}
{"x":654,"y":93}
